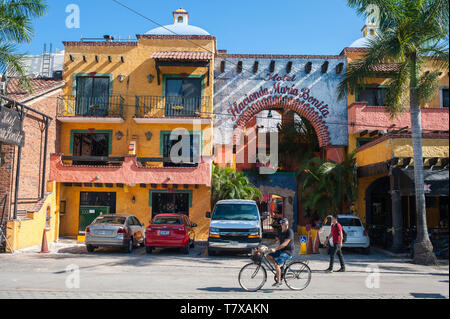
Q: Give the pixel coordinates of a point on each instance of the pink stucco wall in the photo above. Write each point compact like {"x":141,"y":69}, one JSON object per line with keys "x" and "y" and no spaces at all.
{"x":363,"y":117}
{"x":130,"y":173}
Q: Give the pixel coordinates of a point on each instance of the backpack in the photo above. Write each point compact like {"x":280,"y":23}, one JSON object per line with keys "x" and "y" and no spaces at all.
{"x":344,"y":236}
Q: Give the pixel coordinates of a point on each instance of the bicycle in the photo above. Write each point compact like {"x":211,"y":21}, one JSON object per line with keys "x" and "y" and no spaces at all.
{"x":253,"y":276}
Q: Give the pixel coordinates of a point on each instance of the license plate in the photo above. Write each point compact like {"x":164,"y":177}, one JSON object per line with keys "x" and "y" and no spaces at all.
{"x":103,"y":232}
{"x":164,"y":232}
{"x":233,"y":242}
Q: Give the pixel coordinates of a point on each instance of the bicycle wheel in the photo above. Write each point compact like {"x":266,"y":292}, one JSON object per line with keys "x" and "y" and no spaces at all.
{"x":252,"y":277}
{"x":297,"y":276}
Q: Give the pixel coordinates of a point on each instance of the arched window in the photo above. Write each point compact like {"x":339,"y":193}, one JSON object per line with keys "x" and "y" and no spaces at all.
{"x":180,"y":19}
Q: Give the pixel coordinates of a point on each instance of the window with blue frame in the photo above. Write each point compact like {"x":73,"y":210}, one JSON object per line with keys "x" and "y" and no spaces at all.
{"x":183,"y":96}
{"x":373,"y":96}
{"x":178,"y":159}
{"x":92,"y":95}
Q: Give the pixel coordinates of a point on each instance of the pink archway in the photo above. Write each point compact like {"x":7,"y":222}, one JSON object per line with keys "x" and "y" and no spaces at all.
{"x":307,"y":111}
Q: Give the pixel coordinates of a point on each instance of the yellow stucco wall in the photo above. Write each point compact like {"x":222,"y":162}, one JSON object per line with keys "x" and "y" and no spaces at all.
{"x":29,"y":232}
{"x":377,"y":153}
{"x":435,"y":102}
{"x":136,"y":67}
{"x":402,"y":147}
{"x":140,"y":208}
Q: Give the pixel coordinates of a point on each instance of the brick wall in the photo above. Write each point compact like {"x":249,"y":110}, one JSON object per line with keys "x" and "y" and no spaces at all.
{"x":32,"y":159}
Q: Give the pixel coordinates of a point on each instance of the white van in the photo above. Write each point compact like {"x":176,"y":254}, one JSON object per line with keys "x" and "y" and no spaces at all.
{"x":235,"y":225}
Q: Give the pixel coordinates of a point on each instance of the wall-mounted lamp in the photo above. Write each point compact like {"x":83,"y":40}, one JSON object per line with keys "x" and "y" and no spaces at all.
{"x":119,"y":135}
{"x":121,"y":77}
{"x":133,"y":199}
{"x":148,"y":135}
{"x":150,"y":78}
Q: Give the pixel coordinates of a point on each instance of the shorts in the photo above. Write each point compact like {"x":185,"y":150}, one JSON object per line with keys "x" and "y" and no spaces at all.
{"x":280,"y":257}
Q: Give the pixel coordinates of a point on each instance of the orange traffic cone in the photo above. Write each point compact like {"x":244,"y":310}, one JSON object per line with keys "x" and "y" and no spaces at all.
{"x":44,"y":246}
{"x":309,"y":249}
{"x":316,"y":244}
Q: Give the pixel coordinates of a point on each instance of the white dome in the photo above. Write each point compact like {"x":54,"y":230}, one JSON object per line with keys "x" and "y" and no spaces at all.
{"x":178,"y":29}
{"x":180,"y":26}
{"x":360,"y":43}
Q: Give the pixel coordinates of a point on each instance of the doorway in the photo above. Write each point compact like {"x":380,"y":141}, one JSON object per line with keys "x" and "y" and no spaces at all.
{"x":272,"y":206}
{"x":92,"y":205}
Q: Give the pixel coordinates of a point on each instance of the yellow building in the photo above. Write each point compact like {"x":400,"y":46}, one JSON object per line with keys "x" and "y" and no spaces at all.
{"x":136,"y":127}
{"x":384,"y":154}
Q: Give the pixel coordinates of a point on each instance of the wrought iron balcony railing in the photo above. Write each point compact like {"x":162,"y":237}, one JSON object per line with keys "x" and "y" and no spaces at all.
{"x":173,"y":106}
{"x":106,"y":106}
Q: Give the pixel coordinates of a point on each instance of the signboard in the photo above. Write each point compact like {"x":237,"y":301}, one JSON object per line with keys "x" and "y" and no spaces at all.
{"x":10,"y":127}
{"x":239,"y":96}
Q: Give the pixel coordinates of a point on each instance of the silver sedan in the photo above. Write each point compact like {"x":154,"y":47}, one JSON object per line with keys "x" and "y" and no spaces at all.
{"x":124,"y":231}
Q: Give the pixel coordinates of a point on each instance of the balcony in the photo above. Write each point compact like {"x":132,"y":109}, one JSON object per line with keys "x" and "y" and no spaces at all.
{"x":127,"y":170}
{"x":172,"y":108}
{"x":91,"y":109}
{"x":362,"y":117}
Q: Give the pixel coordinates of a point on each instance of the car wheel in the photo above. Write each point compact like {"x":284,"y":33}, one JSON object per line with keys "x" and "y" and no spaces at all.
{"x":148,"y":249}
{"x":129,"y":246}
{"x":366,"y":250}
{"x":186,"y":249}
{"x":90,"y":248}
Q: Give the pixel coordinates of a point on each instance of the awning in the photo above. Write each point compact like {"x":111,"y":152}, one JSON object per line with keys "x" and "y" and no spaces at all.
{"x":436,"y":182}
{"x":183,"y":55}
{"x":182,"y":59}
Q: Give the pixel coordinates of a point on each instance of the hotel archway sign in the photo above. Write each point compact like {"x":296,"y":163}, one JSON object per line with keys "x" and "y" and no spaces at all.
{"x":307,"y":85}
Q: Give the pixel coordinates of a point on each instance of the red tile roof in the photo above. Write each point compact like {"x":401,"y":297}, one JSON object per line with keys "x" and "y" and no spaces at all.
{"x":386,"y":67}
{"x":39,"y":86}
{"x":182,"y":55}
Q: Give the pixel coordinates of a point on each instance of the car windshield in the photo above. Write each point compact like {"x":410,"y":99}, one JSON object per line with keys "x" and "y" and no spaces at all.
{"x":235,"y":212}
{"x":110,"y":220}
{"x":170,"y":220}
{"x":350,"y":222}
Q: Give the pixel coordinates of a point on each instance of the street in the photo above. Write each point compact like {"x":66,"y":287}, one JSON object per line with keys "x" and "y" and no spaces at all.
{"x":69,"y":271}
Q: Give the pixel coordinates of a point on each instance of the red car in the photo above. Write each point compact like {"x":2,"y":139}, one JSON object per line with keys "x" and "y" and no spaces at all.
{"x":170,"y":230}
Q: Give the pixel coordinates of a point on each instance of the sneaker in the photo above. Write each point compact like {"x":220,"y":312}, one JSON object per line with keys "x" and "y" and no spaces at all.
{"x":341,"y":270}
{"x":277,"y":284}
{"x":329,"y":270}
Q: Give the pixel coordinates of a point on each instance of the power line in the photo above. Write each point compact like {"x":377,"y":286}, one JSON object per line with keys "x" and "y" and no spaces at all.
{"x":266,"y":118}
{"x":174,"y":33}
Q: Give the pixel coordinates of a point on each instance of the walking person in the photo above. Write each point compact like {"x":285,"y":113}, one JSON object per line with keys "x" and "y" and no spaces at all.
{"x":336,"y":249}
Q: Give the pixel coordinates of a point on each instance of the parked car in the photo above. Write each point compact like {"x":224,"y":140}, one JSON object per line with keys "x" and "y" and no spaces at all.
{"x":115,"y":231}
{"x":235,"y":226}
{"x":357,"y":236}
{"x":170,"y":230}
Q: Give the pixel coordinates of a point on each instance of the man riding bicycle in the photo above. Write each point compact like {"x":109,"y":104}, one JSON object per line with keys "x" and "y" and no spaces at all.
{"x":279,"y":255}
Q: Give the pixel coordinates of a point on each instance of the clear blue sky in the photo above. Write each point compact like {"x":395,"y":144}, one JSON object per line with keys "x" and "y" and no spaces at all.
{"x":241,"y":26}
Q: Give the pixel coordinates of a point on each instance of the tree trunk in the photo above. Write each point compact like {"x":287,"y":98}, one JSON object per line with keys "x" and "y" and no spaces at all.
{"x":423,"y":250}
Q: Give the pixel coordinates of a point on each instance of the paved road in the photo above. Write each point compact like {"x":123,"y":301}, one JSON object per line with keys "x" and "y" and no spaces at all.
{"x":168,"y":274}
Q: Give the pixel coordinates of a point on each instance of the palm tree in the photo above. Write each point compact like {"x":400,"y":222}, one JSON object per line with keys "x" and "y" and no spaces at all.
{"x":412,"y":33}
{"x":329,"y":187}
{"x":15,"y":28}
{"x":228,"y":184}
